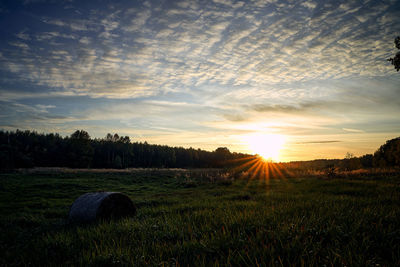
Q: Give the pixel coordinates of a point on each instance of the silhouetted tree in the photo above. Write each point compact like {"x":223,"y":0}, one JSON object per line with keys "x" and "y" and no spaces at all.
{"x":109,"y":137}
{"x":117,"y":162}
{"x":221,"y":154}
{"x":388,"y":155}
{"x":366,"y":160}
{"x":80,"y":151}
{"x":80,"y":135}
{"x":396,"y":60}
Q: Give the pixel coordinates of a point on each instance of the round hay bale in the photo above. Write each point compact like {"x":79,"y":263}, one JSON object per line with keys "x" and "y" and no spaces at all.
{"x":90,"y":207}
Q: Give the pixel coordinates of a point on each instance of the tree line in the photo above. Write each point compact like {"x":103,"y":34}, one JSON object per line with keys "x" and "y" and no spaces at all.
{"x":26,"y":149}
{"x":387,"y":156}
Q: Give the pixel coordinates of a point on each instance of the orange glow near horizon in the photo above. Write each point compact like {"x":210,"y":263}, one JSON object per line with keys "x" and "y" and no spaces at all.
{"x":267,"y":146}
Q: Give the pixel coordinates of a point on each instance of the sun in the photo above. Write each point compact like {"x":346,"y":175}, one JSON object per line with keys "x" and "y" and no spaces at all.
{"x":268,"y":146}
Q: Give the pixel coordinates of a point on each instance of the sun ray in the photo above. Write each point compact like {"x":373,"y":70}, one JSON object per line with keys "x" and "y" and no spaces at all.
{"x":277,"y":170}
{"x":243,"y":166}
{"x":253,"y":169}
{"x":259,"y":169}
{"x":242,"y":159}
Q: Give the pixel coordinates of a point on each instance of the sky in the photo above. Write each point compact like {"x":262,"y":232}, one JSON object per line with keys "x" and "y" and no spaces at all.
{"x":205,"y":74}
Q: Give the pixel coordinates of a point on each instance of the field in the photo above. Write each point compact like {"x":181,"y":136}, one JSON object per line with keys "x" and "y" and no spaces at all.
{"x":187,"y":218}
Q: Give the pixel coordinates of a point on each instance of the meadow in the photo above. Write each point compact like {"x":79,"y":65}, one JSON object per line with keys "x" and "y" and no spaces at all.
{"x":202,"y":218}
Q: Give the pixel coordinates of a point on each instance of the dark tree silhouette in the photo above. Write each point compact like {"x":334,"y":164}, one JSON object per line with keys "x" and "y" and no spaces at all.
{"x":80,"y":152}
{"x":388,"y":155}
{"x":80,"y":134}
{"x":396,"y":60}
{"x":26,"y":149}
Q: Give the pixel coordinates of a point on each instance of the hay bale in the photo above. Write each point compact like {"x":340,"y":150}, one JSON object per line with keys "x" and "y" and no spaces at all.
{"x":90,"y":207}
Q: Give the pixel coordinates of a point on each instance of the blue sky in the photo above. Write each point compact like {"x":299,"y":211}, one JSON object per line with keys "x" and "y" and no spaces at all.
{"x":205,"y":73}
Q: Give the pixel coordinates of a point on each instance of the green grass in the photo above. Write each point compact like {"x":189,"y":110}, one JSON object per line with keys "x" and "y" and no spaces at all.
{"x":187,"y":221}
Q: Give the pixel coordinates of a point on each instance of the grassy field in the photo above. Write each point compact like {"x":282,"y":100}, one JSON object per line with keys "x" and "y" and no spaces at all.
{"x":184,"y":219}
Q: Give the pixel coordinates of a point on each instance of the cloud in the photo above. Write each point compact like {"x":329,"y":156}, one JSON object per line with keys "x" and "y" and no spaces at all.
{"x":305,"y":67}
{"x":309,"y":4}
{"x":44,"y":108}
{"x":139,"y":21}
{"x":19,"y":45}
{"x":84,"y":40}
{"x":285,"y":108}
{"x":23,"y":116}
{"x":24,"y":36}
{"x":253,"y":45}
{"x":319,"y":142}
{"x":45,"y":36}
{"x":74,"y":25}
{"x":353,"y":130}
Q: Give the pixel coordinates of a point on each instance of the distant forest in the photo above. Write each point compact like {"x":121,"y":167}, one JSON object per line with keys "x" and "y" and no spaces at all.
{"x":27,"y":149}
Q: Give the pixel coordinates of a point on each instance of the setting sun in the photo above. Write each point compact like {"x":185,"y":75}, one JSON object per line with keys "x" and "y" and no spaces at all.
{"x":267,"y":146}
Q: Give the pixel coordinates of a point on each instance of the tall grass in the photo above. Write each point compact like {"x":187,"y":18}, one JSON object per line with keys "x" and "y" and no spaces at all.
{"x":203,"y":218}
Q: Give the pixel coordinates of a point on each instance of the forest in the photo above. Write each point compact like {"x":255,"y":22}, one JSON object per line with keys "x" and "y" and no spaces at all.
{"x":27,"y":149}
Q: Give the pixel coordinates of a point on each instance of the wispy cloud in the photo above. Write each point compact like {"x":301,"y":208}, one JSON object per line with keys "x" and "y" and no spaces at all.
{"x":320,"y":142}
{"x":302,"y":68}
{"x":251,"y":45}
{"x":353,"y":130}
